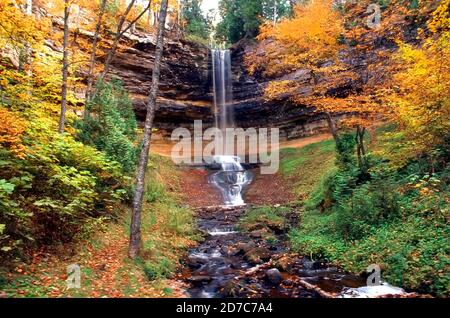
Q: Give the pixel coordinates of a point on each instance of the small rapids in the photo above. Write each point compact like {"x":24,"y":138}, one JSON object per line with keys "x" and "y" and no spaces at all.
{"x":231,"y":180}
{"x":233,"y":264}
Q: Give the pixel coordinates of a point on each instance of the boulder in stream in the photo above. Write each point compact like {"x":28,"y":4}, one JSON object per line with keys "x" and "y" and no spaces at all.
{"x":274,"y":277}
{"x":257,"y":255}
{"x":200,"y":279}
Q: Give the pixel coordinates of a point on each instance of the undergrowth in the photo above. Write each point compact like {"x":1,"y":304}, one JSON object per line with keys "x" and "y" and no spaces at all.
{"x":396,"y":217}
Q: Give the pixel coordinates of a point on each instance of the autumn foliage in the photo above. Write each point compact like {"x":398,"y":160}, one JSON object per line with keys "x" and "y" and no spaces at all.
{"x":12,"y":128}
{"x":421,"y":90}
{"x":330,"y":57}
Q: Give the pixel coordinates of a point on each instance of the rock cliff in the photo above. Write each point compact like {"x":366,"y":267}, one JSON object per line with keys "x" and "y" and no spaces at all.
{"x":186,"y":89}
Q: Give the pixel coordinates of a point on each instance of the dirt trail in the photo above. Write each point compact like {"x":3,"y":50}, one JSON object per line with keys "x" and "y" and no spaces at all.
{"x":164,"y":147}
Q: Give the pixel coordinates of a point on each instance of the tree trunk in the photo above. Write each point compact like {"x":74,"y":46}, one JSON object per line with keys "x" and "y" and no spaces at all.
{"x":94,"y":53}
{"x":332,"y":126}
{"x":113,"y":49}
{"x":358,"y":147}
{"x":135,"y":230}
{"x":119,"y":35}
{"x":361,"y":149}
{"x":65,"y":68}
{"x":275,"y":13}
{"x":29,"y":50}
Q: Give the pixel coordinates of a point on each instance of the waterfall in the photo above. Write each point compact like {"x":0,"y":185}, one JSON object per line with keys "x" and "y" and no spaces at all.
{"x":232,"y":178}
{"x":222,"y":85}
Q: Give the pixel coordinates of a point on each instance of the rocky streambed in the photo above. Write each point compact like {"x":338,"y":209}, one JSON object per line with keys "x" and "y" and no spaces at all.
{"x":255,"y":263}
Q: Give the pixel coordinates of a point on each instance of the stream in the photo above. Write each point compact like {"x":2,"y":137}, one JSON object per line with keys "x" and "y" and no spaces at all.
{"x":231,"y":263}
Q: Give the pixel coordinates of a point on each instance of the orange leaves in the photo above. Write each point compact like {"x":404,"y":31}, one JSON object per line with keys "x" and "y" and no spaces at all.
{"x":309,"y":38}
{"x":17,"y":28}
{"x":314,"y":26}
{"x":11,"y":129}
{"x":277,"y":89}
{"x":350,"y":66}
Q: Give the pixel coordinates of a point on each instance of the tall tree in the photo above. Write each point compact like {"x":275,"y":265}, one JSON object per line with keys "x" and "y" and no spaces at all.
{"x":28,"y":50}
{"x":242,"y":18}
{"x":135,"y":228}
{"x":93,"y":57}
{"x":65,"y":67}
{"x":196,"y":23}
{"x":420,"y":91}
{"x":120,"y":32}
{"x":308,"y":41}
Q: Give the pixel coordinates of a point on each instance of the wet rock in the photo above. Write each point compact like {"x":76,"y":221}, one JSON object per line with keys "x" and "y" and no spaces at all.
{"x":242,"y":248}
{"x":230,"y":289}
{"x":200,"y":279}
{"x":319,"y":265}
{"x":196,"y":262}
{"x":314,"y":265}
{"x":278,"y":227}
{"x":228,"y":251}
{"x":285,"y":263}
{"x":274,"y":277}
{"x":257,"y":255}
{"x":259,"y":233}
{"x":235,"y":265}
{"x":288,"y":283}
{"x":229,"y":271}
{"x":250,"y":227}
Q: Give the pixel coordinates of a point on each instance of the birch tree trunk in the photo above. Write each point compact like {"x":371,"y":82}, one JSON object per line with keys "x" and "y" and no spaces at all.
{"x":135,"y":228}
{"x":65,"y":68}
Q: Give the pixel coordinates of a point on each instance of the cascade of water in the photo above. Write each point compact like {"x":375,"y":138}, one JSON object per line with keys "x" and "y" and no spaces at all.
{"x":232,"y":178}
{"x":222,"y":85}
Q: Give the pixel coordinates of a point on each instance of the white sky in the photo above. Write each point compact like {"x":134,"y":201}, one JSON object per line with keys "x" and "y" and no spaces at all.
{"x":209,"y":4}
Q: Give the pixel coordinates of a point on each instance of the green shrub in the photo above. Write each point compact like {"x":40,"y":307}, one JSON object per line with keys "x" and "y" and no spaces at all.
{"x":53,"y":194}
{"x":267,"y":216}
{"x":110,"y":124}
{"x":154,"y":191}
{"x":396,"y":217}
{"x":163,"y":268}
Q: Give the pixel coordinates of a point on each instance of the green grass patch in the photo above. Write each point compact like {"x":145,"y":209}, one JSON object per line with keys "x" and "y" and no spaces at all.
{"x":304,"y":166}
{"x":264,"y":217}
{"x":168,"y":226}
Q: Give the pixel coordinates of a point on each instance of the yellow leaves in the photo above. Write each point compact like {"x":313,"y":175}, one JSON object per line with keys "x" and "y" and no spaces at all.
{"x":276,"y":89}
{"x":12,"y":128}
{"x":306,"y":40}
{"x":441,"y":18}
{"x":422,"y":96}
{"x":17,"y":28}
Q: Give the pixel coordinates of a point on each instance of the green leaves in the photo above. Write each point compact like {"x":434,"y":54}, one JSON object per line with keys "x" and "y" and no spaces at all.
{"x":6,"y":187}
{"x":110,"y":125}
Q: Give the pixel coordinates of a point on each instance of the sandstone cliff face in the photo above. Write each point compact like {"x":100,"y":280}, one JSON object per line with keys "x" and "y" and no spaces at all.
{"x":252,"y":110}
{"x":185,"y":89}
{"x":186,"y":92}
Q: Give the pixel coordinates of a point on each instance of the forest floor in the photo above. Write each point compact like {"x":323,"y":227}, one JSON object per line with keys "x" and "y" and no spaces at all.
{"x":106,"y":271}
